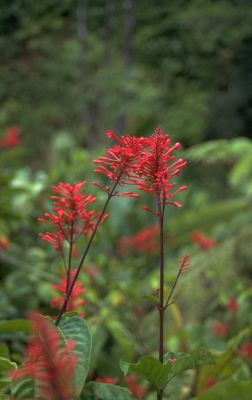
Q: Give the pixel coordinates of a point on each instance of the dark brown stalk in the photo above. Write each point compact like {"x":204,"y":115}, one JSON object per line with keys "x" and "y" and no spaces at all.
{"x":161,"y":307}
{"x":70,"y":289}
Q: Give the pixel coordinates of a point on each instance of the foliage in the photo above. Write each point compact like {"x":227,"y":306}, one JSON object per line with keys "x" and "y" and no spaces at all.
{"x":72,"y":70}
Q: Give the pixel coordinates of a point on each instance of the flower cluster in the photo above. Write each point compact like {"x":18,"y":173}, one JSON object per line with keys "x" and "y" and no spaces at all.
{"x":48,"y":362}
{"x":70,"y":219}
{"x":119,"y":163}
{"x":204,"y":242}
{"x":210,"y":382}
{"x":11,"y":138}
{"x":143,"y":241}
{"x":184,"y":263}
{"x":137,"y":390}
{"x":4,"y":243}
{"x":232,"y":306}
{"x":146,"y":162}
{"x":246,"y":350}
{"x":220,"y":329}
{"x":157,"y":167}
{"x":75,"y":299}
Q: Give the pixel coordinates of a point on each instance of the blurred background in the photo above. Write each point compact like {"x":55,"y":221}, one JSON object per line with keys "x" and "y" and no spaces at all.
{"x":73,"y":69}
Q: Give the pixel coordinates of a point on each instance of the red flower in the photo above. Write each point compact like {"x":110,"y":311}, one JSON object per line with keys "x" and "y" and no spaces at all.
{"x":11,"y":139}
{"x":143,"y":241}
{"x":50,"y":363}
{"x":202,"y":241}
{"x":106,"y":379}
{"x":184,"y":263}
{"x":92,"y":271}
{"x":172,"y":360}
{"x":232,"y":305}
{"x":208,"y":384}
{"x":137,"y":390}
{"x":118,"y":165}
{"x":246,"y":350}
{"x":4,"y":243}
{"x":75,"y":300}
{"x":71,"y":218}
{"x":220,"y":329}
{"x":156,"y":166}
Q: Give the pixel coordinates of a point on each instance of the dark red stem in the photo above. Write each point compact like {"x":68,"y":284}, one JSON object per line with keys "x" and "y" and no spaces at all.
{"x":161,"y":308}
{"x":70,"y":289}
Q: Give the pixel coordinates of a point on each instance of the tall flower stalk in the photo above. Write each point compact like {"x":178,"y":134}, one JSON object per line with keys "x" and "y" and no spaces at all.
{"x":147,"y":163}
{"x":71,"y":219}
{"x":157,"y":169}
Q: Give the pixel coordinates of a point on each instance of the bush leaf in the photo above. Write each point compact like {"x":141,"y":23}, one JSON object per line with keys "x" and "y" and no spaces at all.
{"x":159,"y":374}
{"x":228,"y":390}
{"x":105,"y":391}
{"x":15,"y":325}
{"x":151,"y":369}
{"x":76,"y":329}
{"x":23,"y":389}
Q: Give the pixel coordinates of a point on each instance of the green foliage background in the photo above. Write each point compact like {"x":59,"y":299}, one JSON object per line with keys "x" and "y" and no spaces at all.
{"x":70,"y":71}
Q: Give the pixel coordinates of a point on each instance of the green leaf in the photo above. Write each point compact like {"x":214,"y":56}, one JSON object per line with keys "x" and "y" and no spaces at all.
{"x":15,"y":325}
{"x":5,"y":367}
{"x":4,"y":381}
{"x":225,"y":365}
{"x":76,"y":329}
{"x":235,"y":341}
{"x":104,"y":391}
{"x":23,"y":389}
{"x":69,"y":314}
{"x":160,"y":374}
{"x":151,"y":369}
{"x":4,"y":350}
{"x":228,"y":390}
{"x":197,"y":358}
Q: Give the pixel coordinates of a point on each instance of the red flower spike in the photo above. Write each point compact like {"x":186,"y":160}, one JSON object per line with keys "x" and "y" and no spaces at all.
{"x":220,"y":329}
{"x":138,"y":391}
{"x":184,"y":263}
{"x":4,"y":243}
{"x":232,"y":305}
{"x":11,"y":139}
{"x":148,"y":209}
{"x":50,"y":363}
{"x":156,"y":167}
{"x":246,"y":350}
{"x":208,"y":384}
{"x":204,"y":242}
{"x":70,"y":217}
{"x":119,"y":163}
{"x":143,"y":241}
{"x":75,"y":300}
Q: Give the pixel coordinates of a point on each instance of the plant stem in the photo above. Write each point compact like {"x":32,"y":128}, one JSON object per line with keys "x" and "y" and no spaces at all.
{"x":161,"y":287}
{"x":173,"y":287}
{"x":71,"y":286}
